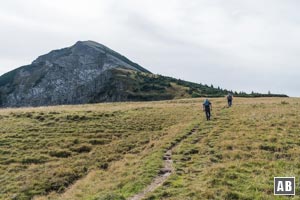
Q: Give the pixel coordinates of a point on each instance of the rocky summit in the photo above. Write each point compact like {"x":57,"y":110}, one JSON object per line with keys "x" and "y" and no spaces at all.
{"x":71,"y":75}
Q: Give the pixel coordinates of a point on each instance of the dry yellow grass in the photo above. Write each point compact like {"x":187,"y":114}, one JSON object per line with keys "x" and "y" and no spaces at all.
{"x":237,"y":154}
{"x":234,"y":156}
{"x":47,"y":149}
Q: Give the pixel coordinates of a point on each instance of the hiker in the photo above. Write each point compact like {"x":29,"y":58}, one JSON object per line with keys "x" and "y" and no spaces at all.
{"x":207,"y":107}
{"x":229,"y":99}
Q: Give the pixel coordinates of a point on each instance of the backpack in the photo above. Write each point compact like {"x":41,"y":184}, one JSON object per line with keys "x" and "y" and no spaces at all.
{"x":206,"y":103}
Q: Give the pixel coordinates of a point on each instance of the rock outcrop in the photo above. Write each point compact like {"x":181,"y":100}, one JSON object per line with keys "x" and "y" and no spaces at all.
{"x":71,"y":75}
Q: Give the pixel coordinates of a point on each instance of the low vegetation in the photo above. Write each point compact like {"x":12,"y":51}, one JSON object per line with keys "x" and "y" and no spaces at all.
{"x":138,"y":86}
{"x":238,"y":153}
{"x":113,"y":151}
{"x":47,"y":149}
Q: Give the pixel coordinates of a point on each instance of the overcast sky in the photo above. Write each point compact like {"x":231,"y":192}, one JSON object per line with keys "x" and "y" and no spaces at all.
{"x":243,"y":45}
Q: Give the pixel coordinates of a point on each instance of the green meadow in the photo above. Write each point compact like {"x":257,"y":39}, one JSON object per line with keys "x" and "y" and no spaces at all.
{"x":114,"y":150}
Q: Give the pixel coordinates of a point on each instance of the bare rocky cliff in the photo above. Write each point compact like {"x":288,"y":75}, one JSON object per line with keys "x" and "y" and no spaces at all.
{"x":74,"y":75}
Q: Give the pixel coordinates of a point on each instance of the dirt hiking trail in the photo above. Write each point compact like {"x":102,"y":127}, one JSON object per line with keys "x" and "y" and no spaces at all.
{"x":166,"y":171}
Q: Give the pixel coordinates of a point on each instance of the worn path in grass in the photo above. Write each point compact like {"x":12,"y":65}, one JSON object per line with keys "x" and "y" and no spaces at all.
{"x":166,"y":171}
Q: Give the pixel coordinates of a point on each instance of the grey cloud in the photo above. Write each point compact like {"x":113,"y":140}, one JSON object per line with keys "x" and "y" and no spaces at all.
{"x":240,"y":45}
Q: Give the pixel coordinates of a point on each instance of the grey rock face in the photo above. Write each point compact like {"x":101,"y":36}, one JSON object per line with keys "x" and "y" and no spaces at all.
{"x":71,"y":75}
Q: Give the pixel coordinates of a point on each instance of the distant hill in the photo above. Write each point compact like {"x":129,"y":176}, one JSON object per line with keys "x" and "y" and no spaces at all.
{"x":89,"y":72}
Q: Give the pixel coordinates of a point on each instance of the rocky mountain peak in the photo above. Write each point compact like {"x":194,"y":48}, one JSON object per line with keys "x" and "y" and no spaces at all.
{"x":87,"y":54}
{"x":91,"y":44}
{"x":76,"y":74}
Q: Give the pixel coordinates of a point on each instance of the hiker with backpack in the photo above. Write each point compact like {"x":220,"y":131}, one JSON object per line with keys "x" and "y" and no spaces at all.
{"x":229,"y":99}
{"x":207,"y":107}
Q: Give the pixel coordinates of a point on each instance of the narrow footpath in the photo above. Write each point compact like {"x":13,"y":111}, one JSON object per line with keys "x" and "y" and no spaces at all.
{"x":166,"y":171}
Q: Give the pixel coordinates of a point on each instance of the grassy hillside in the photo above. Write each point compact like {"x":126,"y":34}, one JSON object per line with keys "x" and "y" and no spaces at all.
{"x":113,"y":151}
{"x":137,"y":86}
